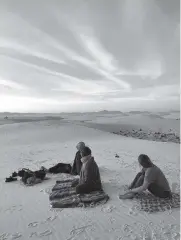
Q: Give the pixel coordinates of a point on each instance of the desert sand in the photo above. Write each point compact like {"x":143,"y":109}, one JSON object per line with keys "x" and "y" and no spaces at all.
{"x":35,"y":140}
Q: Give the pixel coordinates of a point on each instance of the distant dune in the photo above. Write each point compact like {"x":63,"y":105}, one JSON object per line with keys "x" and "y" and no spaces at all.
{"x":20,"y":118}
{"x":157,"y":126}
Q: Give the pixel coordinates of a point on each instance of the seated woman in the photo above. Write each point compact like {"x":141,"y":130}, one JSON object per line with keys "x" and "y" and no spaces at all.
{"x":89,"y":175}
{"x":151,"y":178}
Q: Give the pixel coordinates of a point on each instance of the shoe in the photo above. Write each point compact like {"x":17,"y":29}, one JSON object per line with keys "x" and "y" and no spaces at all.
{"x":11,"y":179}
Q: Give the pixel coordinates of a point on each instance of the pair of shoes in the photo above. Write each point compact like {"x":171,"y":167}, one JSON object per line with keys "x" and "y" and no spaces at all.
{"x":11,"y":179}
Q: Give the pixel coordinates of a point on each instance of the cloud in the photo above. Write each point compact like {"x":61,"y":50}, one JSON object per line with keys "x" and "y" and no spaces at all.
{"x":11,"y":85}
{"x":12,"y":46}
{"x":94,"y":56}
{"x":103,"y":62}
{"x":103,"y":58}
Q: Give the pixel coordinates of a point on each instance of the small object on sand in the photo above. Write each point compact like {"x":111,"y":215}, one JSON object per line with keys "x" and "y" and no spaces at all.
{"x":11,"y":179}
{"x":128,"y":195}
{"x":14,"y":174}
{"x":44,"y":169}
{"x":32,"y":181}
{"x":117,"y":156}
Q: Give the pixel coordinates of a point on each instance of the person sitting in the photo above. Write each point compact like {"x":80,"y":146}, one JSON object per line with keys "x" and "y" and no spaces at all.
{"x":77,"y":164}
{"x":151,"y":178}
{"x":89,"y":175}
{"x":67,"y":168}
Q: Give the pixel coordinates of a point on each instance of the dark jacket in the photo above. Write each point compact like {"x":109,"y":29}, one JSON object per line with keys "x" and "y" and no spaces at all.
{"x":90,"y":173}
{"x":77,"y":164}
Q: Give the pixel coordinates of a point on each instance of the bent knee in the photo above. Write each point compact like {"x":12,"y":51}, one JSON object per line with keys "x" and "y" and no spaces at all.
{"x":78,"y":189}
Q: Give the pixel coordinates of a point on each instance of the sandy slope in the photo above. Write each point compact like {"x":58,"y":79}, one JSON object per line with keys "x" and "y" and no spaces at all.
{"x":25,"y":211}
{"x":129,"y":121}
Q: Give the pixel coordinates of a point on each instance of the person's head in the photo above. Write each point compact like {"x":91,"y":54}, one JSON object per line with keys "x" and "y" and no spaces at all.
{"x":144,"y":161}
{"x":85,"y":152}
{"x":80,"y":146}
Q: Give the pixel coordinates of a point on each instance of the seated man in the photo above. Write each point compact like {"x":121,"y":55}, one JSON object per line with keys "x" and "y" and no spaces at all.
{"x":77,"y":164}
{"x":67,"y":168}
{"x":151,"y":178}
{"x":89,"y":176}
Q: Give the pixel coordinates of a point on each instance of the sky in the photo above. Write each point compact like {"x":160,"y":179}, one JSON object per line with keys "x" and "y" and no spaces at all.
{"x":68,"y":56}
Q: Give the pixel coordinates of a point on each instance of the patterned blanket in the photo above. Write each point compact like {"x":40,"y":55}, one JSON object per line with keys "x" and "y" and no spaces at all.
{"x":149,"y":203}
{"x":64,"y":196}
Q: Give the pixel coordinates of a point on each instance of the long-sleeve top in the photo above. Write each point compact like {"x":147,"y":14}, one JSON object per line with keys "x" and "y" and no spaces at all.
{"x":153,"y":175}
{"x":77,"y":164}
{"x":90,"y":173}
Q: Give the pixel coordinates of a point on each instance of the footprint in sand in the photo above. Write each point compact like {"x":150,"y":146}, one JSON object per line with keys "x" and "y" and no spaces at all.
{"x":167,"y":235}
{"x":55,"y":209}
{"x":49,"y":219}
{"x":176,"y":236}
{"x":171,"y":232}
{"x":170,"y":229}
{"x":7,"y":236}
{"x":133,"y":211}
{"x":14,"y":208}
{"x":33,"y":234}
{"x":127,"y":228}
{"x":42,"y":234}
{"x":77,"y":231}
{"x":174,"y":227}
{"x":112,"y":220}
{"x":4,"y":236}
{"x":16,"y":236}
{"x":45,"y":233}
{"x":33,"y":224}
{"x":108,"y":209}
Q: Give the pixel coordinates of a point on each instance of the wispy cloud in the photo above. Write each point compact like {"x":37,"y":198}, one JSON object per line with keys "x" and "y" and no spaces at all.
{"x":90,"y":57}
{"x":12,"y":85}
{"x":103,"y":61}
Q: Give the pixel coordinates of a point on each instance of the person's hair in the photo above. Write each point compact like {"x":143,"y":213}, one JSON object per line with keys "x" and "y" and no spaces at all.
{"x":80,"y":145}
{"x":144,"y":161}
{"x":86,"y":151}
